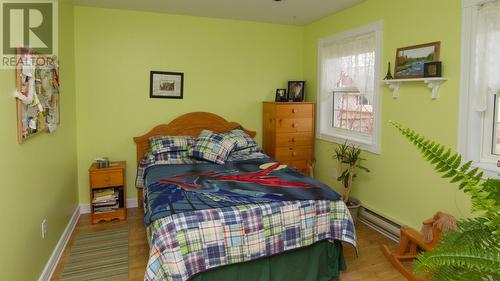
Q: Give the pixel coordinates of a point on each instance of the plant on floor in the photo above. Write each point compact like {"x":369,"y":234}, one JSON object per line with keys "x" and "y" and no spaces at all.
{"x":348,"y":159}
{"x":473,"y":251}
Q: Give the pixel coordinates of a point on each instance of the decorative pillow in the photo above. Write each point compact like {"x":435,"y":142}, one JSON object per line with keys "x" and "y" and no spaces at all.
{"x":212,"y":147}
{"x":173,"y":157}
{"x":161,"y":144}
{"x":242,"y":139}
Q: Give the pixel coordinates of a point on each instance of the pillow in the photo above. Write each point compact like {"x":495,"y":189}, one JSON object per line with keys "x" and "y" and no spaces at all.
{"x":242,"y":139}
{"x":161,"y":144}
{"x":212,"y":147}
{"x":173,"y":157}
{"x":246,"y":154}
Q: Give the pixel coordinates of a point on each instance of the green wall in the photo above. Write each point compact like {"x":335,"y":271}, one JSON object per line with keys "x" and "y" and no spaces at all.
{"x":401,"y":184}
{"x":39,"y":176}
{"x":230,"y":67}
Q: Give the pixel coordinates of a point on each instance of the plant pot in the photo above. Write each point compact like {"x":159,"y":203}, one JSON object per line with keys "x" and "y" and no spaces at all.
{"x":354,"y":205}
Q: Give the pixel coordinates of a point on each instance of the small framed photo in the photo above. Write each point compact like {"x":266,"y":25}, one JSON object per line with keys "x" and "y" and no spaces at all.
{"x":296,"y":90}
{"x":432,"y":69}
{"x":166,"y":85}
{"x":410,"y":60}
{"x":281,"y":95}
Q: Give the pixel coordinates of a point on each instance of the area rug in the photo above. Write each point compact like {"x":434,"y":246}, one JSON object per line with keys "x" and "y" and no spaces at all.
{"x":98,"y":256}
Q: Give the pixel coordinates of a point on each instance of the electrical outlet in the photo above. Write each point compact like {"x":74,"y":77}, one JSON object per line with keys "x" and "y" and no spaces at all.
{"x":44,"y":228}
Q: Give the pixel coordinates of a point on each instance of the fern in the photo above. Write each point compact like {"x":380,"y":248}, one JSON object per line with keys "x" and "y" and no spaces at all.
{"x":459,"y":262}
{"x":484,"y":195}
{"x":473,"y":251}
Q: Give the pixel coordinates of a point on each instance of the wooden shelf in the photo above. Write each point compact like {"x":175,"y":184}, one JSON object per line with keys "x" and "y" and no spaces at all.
{"x":432,"y":82}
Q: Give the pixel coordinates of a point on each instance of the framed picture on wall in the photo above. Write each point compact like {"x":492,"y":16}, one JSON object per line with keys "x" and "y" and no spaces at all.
{"x":410,"y":60}
{"x":166,"y":85}
{"x":296,"y":90}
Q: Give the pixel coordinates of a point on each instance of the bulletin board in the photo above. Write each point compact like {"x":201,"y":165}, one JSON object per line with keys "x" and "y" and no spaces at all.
{"x":37,"y":94}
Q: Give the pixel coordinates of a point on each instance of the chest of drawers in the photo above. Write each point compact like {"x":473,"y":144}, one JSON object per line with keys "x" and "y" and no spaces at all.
{"x":288,"y":133}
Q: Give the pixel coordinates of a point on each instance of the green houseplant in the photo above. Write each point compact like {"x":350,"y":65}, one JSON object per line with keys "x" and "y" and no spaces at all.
{"x":349,"y":161}
{"x":473,"y":251}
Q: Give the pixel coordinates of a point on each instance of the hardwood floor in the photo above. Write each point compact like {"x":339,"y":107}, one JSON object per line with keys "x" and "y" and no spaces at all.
{"x":370,"y":265}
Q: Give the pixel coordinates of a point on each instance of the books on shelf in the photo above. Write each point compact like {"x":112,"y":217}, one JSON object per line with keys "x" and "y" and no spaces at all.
{"x":106,"y":200}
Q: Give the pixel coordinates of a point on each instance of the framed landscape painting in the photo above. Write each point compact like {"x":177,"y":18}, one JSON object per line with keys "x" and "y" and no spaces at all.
{"x":166,"y":85}
{"x":410,"y":60}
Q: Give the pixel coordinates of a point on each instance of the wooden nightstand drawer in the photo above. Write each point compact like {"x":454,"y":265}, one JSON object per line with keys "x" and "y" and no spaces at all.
{"x":110,"y":178}
{"x":294,"y":139}
{"x":120,"y":214}
{"x":286,"y":125}
{"x":294,"y":110}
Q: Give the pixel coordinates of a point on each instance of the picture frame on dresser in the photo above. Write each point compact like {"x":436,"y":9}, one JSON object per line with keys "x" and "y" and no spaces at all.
{"x":281,"y":95}
{"x":296,"y":91}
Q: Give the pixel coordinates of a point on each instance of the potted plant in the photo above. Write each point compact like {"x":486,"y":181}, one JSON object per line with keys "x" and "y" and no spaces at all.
{"x":349,"y":161}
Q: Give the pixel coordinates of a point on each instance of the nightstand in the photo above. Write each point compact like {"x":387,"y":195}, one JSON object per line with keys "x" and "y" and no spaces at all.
{"x":108,"y":200}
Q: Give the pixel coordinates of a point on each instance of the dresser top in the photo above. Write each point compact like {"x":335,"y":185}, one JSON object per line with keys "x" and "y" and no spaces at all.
{"x":295,"y":102}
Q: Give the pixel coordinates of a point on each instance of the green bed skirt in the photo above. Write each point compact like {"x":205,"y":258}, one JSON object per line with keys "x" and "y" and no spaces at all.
{"x":322,"y":261}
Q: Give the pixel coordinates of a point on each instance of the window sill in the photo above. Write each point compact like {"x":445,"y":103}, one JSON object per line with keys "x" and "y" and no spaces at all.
{"x":364,"y":145}
{"x":490,"y":169}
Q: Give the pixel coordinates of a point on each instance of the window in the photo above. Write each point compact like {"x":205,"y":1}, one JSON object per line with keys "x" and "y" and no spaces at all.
{"x":479,"y":128}
{"x":352,"y":111}
{"x":348,"y":98}
{"x":495,"y":148}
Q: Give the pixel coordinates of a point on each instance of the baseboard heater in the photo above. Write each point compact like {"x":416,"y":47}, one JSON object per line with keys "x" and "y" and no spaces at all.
{"x":381,"y":224}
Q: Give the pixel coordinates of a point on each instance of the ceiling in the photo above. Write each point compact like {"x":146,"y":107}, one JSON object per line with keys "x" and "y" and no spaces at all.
{"x":296,"y":12}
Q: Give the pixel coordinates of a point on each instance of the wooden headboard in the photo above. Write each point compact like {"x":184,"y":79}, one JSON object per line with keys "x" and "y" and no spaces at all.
{"x":190,"y":124}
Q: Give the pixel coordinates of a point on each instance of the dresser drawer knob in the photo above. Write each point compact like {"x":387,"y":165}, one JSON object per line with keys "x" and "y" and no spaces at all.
{"x":294,"y":125}
{"x":294,"y":110}
{"x":293,"y":139}
{"x":294,"y":153}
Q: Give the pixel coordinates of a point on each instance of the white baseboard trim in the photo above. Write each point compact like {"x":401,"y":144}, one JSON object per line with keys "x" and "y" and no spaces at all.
{"x":85,"y":207}
{"x":51,"y":264}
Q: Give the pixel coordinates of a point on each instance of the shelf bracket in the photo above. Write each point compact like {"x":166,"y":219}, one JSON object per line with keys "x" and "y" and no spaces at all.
{"x":434,"y":85}
{"x":395,"y":88}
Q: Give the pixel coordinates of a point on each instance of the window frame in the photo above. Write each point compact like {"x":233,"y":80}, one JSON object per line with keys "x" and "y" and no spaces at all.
{"x":474,"y":138}
{"x":371,"y":142}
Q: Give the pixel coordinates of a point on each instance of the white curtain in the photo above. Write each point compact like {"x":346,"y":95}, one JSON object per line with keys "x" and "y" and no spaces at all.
{"x":487,"y":61}
{"x":349,"y":62}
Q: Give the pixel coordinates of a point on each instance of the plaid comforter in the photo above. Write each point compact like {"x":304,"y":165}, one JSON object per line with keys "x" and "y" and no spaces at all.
{"x":183,"y":244}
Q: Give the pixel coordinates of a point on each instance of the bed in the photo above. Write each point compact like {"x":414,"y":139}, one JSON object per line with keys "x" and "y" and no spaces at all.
{"x":248,"y":218}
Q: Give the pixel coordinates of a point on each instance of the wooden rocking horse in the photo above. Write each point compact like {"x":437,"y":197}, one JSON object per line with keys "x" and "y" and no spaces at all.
{"x":411,"y":241}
